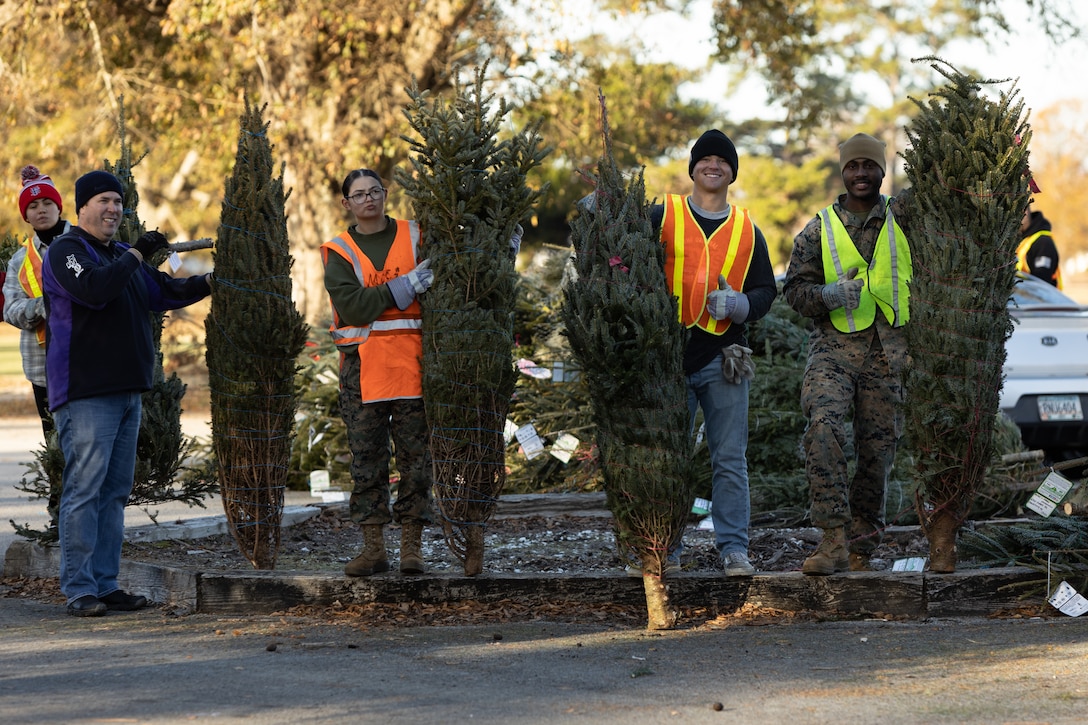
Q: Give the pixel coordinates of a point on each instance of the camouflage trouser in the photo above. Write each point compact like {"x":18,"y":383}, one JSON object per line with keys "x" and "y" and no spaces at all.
{"x":837,"y":379}
{"x":370,"y":428}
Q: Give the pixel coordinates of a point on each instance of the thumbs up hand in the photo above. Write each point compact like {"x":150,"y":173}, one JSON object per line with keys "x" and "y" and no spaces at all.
{"x":721,"y":302}
{"x":845,"y":292}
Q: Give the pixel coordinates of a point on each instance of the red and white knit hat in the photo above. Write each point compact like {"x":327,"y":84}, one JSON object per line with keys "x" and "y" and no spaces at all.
{"x":37,"y":185}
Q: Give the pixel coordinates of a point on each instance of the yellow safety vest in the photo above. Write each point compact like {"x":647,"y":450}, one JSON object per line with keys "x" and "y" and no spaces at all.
{"x":1022,"y":258}
{"x":886,"y":278}
{"x":30,"y":279}
{"x":694,"y":261}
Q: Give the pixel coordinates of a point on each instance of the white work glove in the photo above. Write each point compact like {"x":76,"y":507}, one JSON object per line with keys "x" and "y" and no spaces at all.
{"x":721,"y":302}
{"x":737,"y":364}
{"x":405,"y":288}
{"x":844,"y":293}
{"x":515,"y":241}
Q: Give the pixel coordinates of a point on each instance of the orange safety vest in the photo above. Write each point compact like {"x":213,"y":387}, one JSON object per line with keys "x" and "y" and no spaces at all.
{"x":1022,"y":258}
{"x":30,"y":279}
{"x":694,"y":261}
{"x":390,"y":349}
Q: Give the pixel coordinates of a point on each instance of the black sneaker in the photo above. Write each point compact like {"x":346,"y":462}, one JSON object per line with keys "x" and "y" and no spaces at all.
{"x":87,"y":606}
{"x":121,"y":601}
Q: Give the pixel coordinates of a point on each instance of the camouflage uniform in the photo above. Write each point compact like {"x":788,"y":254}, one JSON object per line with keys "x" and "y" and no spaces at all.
{"x":369,"y":427}
{"x":860,"y":370}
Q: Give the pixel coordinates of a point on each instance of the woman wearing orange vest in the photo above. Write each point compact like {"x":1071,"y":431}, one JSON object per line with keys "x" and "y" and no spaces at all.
{"x":40,"y":205}
{"x":373,"y":276}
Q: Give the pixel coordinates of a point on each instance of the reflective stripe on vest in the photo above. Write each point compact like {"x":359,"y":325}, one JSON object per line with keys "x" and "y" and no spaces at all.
{"x":30,"y":276}
{"x":886,"y":278}
{"x":694,"y":261}
{"x":390,"y":348}
{"x":1022,"y":258}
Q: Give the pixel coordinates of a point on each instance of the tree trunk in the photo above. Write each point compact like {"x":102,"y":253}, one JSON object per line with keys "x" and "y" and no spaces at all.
{"x":659,"y":610}
{"x":474,"y":550}
{"x":941,"y":532}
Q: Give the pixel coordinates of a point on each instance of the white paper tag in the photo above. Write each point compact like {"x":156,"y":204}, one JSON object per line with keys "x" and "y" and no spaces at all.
{"x":319,"y":481}
{"x":530,"y":368}
{"x":174,"y":260}
{"x":332,"y":496}
{"x":706,"y":524}
{"x":1049,"y":494}
{"x":1068,"y":601}
{"x":530,"y":442}
{"x":914,"y":563}
{"x":510,"y":430}
{"x":564,"y":447}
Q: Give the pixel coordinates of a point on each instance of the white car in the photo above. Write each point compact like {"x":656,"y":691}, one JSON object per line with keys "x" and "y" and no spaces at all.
{"x":1046,"y":370}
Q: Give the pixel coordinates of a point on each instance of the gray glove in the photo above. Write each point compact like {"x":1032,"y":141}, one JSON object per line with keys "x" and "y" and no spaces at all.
{"x":515,"y":241}
{"x":721,"y":302}
{"x":406,"y":287}
{"x":737,"y":364}
{"x":844,"y":293}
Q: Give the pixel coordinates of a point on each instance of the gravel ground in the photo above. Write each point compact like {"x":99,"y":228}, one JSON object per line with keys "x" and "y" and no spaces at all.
{"x":524,"y":544}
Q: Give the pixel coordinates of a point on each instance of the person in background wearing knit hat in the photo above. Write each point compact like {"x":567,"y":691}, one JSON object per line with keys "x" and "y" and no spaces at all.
{"x":849,"y":273}
{"x":716,"y":258}
{"x":100,"y":358}
{"x":1037,"y":254}
{"x":40,"y":205}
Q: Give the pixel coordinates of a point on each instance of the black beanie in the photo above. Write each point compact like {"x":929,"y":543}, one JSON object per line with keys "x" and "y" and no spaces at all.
{"x":94,"y":183}
{"x":714,"y":143}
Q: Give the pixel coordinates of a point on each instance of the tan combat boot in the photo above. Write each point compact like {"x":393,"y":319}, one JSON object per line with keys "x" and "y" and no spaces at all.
{"x":372,"y":560}
{"x":859,"y":562}
{"x":411,"y":548}
{"x":830,"y":555}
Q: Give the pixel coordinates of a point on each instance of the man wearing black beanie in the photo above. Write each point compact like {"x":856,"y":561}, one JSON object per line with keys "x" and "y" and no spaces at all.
{"x":99,"y":360}
{"x":716,"y":258}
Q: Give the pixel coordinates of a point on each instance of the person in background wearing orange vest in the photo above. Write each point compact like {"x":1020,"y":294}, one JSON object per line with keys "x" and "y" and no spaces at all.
{"x":1037,"y":254}
{"x":24,"y":306}
{"x":849,"y":273}
{"x":373,"y":276}
{"x":717,"y":262}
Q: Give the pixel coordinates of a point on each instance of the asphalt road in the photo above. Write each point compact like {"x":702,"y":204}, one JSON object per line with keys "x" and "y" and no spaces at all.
{"x":152,"y":667}
{"x":147,"y":667}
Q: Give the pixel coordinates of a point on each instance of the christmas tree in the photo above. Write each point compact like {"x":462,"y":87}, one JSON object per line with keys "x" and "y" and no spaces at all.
{"x":967,"y":164}
{"x":469,"y":194}
{"x":254,"y":337}
{"x":622,"y":322}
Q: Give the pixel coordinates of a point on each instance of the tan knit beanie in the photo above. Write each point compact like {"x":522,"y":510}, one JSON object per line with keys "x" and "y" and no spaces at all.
{"x":863,"y":146}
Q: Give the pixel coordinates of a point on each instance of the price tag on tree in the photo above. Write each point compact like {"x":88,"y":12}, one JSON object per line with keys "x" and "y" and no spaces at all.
{"x":1049,"y":494}
{"x":530,"y":442}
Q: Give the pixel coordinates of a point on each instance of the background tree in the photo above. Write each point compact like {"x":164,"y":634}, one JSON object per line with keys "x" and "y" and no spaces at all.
{"x":333,"y":78}
{"x":1058,"y":152}
{"x":967,"y":163}
{"x":622,"y":322}
{"x":469,"y":193}
{"x":255,"y":336}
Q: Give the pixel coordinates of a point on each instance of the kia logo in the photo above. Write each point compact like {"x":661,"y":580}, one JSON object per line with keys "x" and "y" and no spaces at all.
{"x":1050,"y":341}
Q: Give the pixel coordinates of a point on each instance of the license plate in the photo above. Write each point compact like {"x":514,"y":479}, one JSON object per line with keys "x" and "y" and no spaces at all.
{"x":1060,"y":407}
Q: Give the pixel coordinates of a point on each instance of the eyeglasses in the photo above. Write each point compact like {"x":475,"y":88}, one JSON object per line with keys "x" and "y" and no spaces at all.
{"x":360,"y":196}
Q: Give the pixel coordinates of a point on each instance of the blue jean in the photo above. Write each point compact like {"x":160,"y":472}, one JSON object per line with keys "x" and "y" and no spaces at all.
{"x":98,"y":436}
{"x":725,"y":414}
